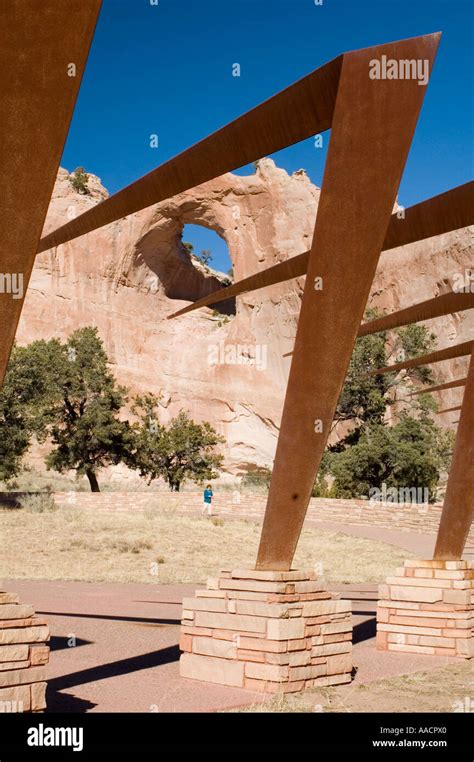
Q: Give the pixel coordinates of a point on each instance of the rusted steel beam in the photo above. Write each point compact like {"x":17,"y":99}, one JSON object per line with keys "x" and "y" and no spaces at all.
{"x":373,"y":125}
{"x":440,"y":214}
{"x":291,"y":268}
{"x":458,"y":382}
{"x":458,"y":508}
{"x":449,"y":353}
{"x":446,"y":304}
{"x":449,"y":410}
{"x":296,"y":113}
{"x":448,"y":211}
{"x":39,"y":46}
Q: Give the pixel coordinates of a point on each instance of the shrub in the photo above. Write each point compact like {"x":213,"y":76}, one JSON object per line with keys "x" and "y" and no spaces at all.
{"x":79,"y":180}
{"x":41,"y":502}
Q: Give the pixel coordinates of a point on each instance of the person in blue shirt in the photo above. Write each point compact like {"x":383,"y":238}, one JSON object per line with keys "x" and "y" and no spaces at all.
{"x":207,"y":504}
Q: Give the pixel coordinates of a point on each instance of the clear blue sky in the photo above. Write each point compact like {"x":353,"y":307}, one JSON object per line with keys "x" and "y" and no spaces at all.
{"x":167,"y":69}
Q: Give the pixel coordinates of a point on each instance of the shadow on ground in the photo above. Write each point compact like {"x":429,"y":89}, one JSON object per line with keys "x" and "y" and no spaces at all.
{"x":113,"y":618}
{"x":364,"y":631}
{"x":116,"y":668}
{"x":60,"y":642}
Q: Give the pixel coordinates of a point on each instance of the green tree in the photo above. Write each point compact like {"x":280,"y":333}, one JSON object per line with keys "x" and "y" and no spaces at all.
{"x":27,"y":380}
{"x":407,"y":456}
{"x":364,"y":398}
{"x":15,"y":431}
{"x":372,"y":453}
{"x":81,"y":410}
{"x":182,"y":450}
{"x":79,"y":181}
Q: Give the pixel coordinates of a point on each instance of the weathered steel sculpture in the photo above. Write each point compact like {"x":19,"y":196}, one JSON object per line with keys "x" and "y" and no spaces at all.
{"x":42,"y":58}
{"x":342,"y":261}
{"x":372,"y":122}
{"x":373,"y":119}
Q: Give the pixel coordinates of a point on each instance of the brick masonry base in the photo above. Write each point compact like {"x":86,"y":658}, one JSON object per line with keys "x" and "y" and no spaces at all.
{"x":270,"y":632}
{"x":427,"y":608}
{"x":23,"y":656}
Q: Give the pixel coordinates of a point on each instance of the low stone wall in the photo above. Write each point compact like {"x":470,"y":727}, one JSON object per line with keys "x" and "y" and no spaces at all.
{"x":407,"y":517}
{"x":404,"y":517}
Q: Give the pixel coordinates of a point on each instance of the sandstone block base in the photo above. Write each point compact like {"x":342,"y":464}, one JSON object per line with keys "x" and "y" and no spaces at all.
{"x":273,"y":632}
{"x":23,"y":656}
{"x":427,"y":608}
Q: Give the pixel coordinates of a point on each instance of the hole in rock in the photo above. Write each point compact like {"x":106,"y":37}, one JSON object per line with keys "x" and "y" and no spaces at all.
{"x":210,"y":256}
{"x":191,"y":261}
{"x":209,"y":248}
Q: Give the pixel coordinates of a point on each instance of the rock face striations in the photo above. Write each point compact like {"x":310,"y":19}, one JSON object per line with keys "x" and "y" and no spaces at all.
{"x":225,"y":367}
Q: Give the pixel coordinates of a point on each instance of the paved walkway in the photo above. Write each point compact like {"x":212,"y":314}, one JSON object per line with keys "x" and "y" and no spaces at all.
{"x":125,"y":656}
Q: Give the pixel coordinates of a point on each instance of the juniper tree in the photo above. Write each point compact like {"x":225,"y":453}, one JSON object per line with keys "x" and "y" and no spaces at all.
{"x":411,"y":453}
{"x":82,"y":416}
{"x":26,"y":385}
{"x":181,"y":450}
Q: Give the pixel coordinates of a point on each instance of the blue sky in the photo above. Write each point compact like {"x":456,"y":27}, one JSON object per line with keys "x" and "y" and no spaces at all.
{"x":166,"y":69}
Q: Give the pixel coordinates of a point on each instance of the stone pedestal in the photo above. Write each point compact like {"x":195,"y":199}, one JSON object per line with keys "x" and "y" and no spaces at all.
{"x":23,"y":656}
{"x":266,"y":631}
{"x":427,"y":608}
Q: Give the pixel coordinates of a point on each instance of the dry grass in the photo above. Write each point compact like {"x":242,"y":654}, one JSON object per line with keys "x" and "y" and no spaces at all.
{"x":162,"y":546}
{"x":447,"y":689}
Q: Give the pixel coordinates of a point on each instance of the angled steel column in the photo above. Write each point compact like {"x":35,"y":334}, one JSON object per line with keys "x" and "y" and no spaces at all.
{"x":39,"y":44}
{"x":373,"y":125}
{"x":458,"y":508}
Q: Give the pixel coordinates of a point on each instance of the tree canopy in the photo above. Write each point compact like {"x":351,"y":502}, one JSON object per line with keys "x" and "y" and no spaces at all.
{"x":182,"y":450}
{"x":409,"y":454}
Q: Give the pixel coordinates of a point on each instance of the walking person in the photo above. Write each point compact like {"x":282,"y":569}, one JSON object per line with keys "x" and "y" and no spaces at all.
{"x":207,"y":504}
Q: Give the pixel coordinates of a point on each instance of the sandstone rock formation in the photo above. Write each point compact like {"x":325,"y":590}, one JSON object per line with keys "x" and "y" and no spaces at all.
{"x":127,"y":277}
